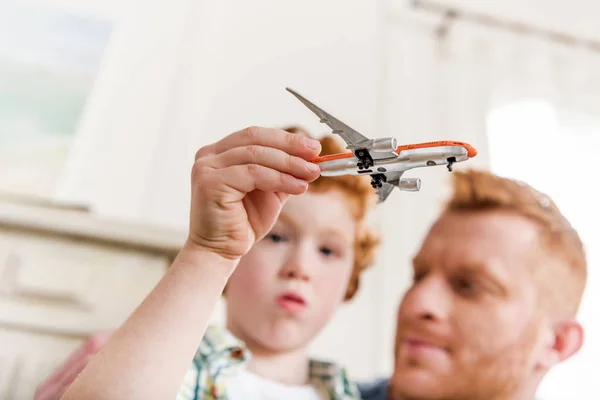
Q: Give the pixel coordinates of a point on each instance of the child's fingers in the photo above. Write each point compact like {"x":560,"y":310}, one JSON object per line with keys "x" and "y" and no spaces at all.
{"x":248,"y":177}
{"x":290,"y":143}
{"x":267,"y":157}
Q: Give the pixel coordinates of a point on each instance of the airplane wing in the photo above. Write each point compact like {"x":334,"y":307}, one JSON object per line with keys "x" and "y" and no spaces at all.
{"x":392,"y":180}
{"x":350,"y":136}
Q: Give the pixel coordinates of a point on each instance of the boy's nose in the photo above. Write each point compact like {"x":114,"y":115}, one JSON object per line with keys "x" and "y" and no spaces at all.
{"x":295,"y":269}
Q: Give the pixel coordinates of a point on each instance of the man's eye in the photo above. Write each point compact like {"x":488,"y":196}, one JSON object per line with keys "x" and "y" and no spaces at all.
{"x":465,"y":286}
{"x":418,"y":276}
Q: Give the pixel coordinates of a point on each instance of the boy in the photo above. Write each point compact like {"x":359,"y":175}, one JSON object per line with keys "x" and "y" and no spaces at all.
{"x":286,"y":268}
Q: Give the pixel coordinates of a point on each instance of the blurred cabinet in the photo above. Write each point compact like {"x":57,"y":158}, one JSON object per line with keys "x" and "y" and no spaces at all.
{"x":65,"y":274}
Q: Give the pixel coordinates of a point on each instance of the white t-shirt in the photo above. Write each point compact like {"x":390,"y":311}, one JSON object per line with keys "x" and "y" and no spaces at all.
{"x":248,"y":386}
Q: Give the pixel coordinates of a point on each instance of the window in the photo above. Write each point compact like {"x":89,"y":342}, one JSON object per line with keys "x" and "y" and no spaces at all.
{"x":557,"y":152}
{"x":49,"y":59}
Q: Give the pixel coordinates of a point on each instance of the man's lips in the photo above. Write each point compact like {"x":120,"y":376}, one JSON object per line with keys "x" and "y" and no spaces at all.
{"x":291,"y":302}
{"x":419,"y":344}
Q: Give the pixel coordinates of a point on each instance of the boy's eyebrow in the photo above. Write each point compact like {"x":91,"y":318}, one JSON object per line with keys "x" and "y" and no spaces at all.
{"x":287,"y":219}
{"x":338,"y":232}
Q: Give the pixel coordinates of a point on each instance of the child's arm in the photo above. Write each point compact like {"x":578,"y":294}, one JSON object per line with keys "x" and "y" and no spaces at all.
{"x":239,"y":185}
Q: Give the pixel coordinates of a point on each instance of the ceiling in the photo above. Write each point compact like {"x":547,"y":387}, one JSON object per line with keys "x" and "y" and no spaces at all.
{"x":574,"y":17}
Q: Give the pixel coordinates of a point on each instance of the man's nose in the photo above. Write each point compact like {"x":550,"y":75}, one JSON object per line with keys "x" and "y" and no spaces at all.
{"x":428,"y":299}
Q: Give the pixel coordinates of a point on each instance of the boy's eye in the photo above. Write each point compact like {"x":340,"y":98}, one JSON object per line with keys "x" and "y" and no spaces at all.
{"x":275,"y":237}
{"x":326,"y":250}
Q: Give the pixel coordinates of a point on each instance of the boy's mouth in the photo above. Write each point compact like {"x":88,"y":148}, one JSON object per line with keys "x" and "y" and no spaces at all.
{"x":291,"y":302}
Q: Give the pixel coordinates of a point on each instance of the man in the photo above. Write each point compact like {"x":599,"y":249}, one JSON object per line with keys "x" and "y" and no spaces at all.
{"x":497,"y":283}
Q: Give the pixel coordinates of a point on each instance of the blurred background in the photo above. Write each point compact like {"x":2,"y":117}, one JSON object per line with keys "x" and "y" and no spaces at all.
{"x":103,"y":104}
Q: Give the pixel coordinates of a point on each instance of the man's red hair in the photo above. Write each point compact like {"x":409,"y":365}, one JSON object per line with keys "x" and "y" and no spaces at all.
{"x":483,"y":191}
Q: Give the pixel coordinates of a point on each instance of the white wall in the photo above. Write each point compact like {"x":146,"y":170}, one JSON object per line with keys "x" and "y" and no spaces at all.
{"x":575,"y":17}
{"x":183,"y":73}
{"x":105,"y":9}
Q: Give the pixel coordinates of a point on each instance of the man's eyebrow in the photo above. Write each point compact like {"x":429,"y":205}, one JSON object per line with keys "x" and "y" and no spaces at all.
{"x":418,"y":261}
{"x":487,"y":272}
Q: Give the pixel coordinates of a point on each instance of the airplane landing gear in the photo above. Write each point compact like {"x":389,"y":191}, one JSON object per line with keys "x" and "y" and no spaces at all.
{"x":364,"y":159}
{"x":377,"y":180}
{"x":451,"y":161}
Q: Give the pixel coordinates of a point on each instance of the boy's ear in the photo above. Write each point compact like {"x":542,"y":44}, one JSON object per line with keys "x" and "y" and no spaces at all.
{"x":565,"y":340}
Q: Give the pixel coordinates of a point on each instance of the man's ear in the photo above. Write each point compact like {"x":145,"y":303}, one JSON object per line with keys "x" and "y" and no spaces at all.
{"x":565,"y":339}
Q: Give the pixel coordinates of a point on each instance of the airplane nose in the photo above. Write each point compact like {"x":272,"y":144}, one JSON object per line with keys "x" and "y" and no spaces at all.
{"x":471,"y":151}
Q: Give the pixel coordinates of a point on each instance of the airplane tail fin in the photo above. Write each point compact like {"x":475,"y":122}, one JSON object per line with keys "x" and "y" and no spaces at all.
{"x":384,"y":191}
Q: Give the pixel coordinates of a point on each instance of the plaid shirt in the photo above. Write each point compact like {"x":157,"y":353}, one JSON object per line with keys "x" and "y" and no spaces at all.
{"x":221,"y":354}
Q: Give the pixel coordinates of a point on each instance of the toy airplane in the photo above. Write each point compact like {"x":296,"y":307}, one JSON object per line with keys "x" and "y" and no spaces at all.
{"x":383,"y":159}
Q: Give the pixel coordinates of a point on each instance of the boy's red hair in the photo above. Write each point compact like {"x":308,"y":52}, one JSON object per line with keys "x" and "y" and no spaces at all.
{"x":361,"y":196}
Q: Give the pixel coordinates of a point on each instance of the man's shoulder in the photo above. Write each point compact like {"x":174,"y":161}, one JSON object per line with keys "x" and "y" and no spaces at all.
{"x":375,"y":390}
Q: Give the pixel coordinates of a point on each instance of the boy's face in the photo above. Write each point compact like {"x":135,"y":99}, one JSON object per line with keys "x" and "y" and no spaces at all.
{"x":287,"y":287}
{"x":468,"y":327}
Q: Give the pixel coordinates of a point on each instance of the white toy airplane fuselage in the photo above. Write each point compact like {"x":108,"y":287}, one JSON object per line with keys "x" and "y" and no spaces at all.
{"x":383,"y":159}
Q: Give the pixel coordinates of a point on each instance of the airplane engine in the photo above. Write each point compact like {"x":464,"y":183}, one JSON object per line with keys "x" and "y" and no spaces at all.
{"x":410,"y":184}
{"x":385,"y":144}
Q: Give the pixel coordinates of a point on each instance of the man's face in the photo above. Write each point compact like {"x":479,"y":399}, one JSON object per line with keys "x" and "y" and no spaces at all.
{"x":468,"y":326}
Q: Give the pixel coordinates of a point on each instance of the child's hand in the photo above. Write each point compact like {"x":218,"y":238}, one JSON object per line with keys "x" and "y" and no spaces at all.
{"x":240,"y":183}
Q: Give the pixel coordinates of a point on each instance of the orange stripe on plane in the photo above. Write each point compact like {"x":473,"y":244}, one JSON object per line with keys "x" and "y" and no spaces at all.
{"x":471,"y":151}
